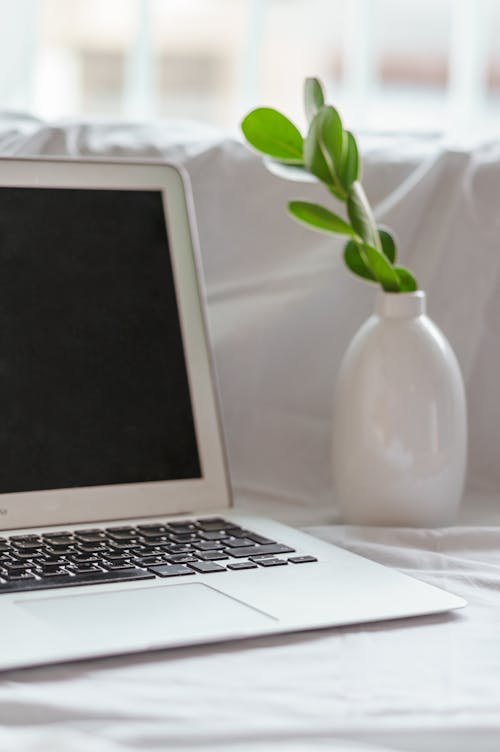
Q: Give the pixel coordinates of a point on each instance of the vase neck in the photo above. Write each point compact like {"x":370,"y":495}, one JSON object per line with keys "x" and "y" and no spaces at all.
{"x":400,"y":305}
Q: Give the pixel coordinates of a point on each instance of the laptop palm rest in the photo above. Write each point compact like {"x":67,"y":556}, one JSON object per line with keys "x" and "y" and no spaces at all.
{"x":150,"y":616}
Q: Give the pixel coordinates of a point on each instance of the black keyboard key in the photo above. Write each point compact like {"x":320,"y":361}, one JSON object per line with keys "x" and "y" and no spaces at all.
{"x":114,"y":556}
{"x":182,"y":558}
{"x":183,"y":538}
{"x":153,"y":540}
{"x":240,"y":533}
{"x":271,"y":562}
{"x":208,"y":545}
{"x":214,"y":523}
{"x":260,"y":539}
{"x":49,"y":566}
{"x":49,"y":573}
{"x":14,"y":567}
{"x":123,"y":538}
{"x":151,"y":529}
{"x":81,"y":568}
{"x":170,"y":570}
{"x":120,"y":529}
{"x":4,"y":547}
{"x":207,"y":567}
{"x":51,"y":559}
{"x":251,"y":551}
{"x":56,"y":547}
{"x":242,"y":565}
{"x":57,"y":534}
{"x":61,"y":546}
{"x":145,"y":546}
{"x":117,"y":546}
{"x":90,"y":537}
{"x":100,"y":557}
{"x":62,"y":555}
{"x":26,"y":555}
{"x":212,"y":555}
{"x":43,"y":568}
{"x":182,"y":526}
{"x":239,"y":542}
{"x":136,"y":552}
{"x":175,"y":548}
{"x":302,"y":559}
{"x":82,"y":558}
{"x":25,"y":538}
{"x":148,"y":561}
{"x":18,"y":576}
{"x":212,"y":535}
{"x":91,"y":548}
{"x":28,"y":546}
{"x":89,"y":531}
{"x":59,"y":540}
{"x":90,"y":578}
{"x":9,"y":574}
{"x":228,"y":529}
{"x":126,"y":564}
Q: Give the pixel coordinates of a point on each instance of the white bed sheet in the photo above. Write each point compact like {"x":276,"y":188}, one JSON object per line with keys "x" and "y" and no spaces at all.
{"x":281,"y":313}
{"x":424,"y":684}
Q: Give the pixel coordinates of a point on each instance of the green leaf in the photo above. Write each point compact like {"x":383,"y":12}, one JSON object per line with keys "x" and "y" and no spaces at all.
{"x":318,"y":217}
{"x":382,"y":269}
{"x":272,"y":133}
{"x":323,"y":149}
{"x":314,"y":98}
{"x":388,"y":245}
{"x":314,"y":158}
{"x":350,"y":164}
{"x":360,"y":214}
{"x":408,"y":283}
{"x":331,"y":139}
{"x":339,"y":193}
{"x":355,"y":262}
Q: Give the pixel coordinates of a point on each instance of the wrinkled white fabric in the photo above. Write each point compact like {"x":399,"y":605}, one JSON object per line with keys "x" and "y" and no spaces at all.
{"x":282,"y":310}
{"x":427,"y":684}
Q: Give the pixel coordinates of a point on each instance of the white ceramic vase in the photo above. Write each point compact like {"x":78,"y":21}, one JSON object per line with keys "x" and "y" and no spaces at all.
{"x":400,"y":427}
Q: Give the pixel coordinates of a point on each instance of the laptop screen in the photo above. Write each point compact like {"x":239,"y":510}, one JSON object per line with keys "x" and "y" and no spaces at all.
{"x":93,"y":380}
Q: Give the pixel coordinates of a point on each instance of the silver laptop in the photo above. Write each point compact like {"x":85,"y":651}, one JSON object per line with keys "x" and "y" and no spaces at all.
{"x":118,"y":533}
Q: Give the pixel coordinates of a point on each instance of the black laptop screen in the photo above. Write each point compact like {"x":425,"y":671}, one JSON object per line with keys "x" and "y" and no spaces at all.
{"x":93,"y":381}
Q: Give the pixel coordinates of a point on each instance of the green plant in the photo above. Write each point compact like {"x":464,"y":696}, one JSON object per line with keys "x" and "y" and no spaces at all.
{"x":330,"y":154}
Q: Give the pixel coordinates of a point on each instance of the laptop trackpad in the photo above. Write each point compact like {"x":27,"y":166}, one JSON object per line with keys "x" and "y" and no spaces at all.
{"x":156,"y":615}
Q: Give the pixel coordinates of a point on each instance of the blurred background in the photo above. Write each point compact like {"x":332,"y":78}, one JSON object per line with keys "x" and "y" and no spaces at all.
{"x":390,"y":65}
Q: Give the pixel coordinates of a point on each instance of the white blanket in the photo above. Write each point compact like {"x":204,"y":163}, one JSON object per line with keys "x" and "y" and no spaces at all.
{"x":282,"y":310}
{"x":427,"y":685}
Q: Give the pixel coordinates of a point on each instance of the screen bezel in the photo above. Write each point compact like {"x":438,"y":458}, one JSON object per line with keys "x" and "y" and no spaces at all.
{"x":128,"y":500}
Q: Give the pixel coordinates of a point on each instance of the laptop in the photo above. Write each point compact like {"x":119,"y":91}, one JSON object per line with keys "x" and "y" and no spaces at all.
{"x":118,"y":532}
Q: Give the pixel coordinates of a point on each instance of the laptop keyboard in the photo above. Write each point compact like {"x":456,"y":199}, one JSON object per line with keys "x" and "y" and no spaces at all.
{"x":124,"y":553}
